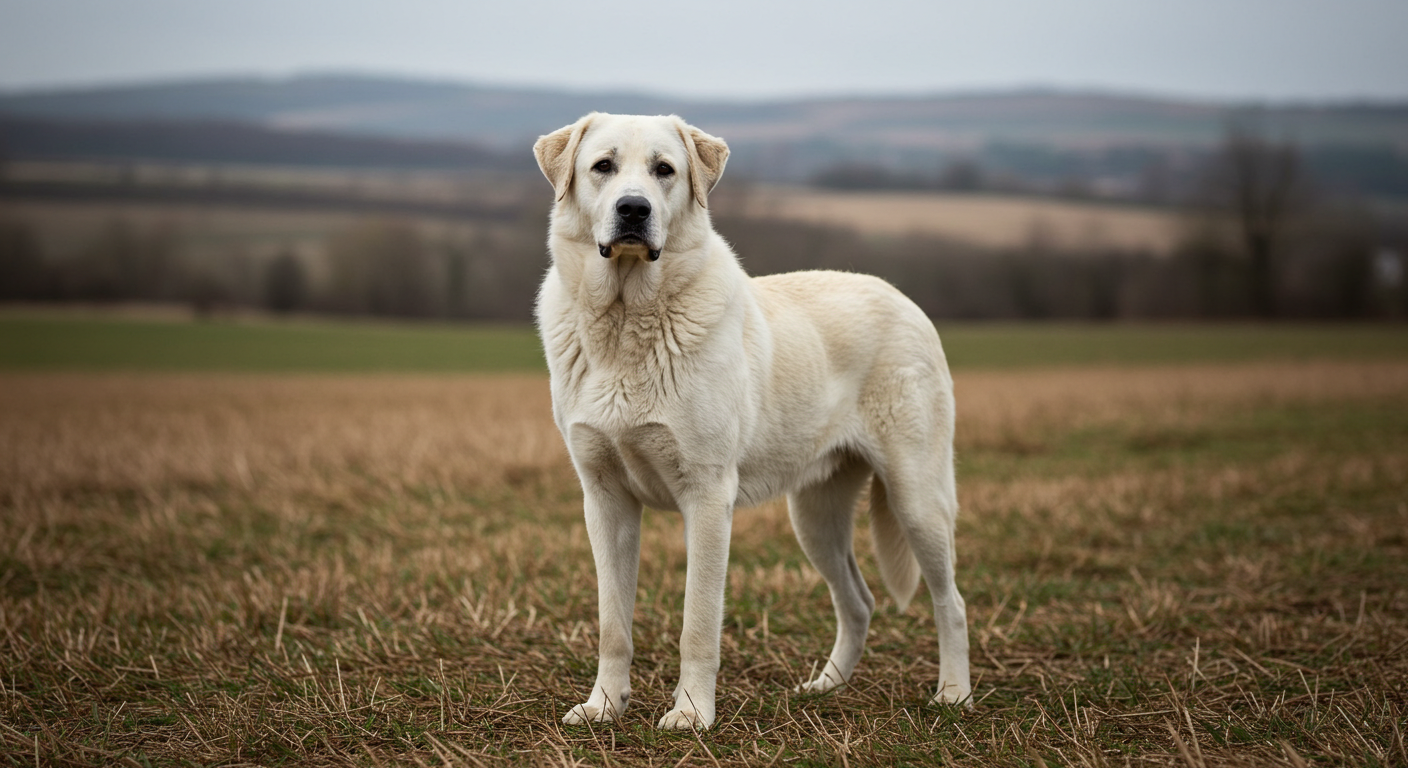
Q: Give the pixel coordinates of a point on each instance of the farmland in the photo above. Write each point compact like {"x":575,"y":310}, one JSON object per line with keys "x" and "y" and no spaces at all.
{"x":994,"y":221}
{"x":1179,"y":545}
{"x":160,"y":341}
{"x":985,"y":220}
{"x":466,"y":246}
{"x":166,"y":339}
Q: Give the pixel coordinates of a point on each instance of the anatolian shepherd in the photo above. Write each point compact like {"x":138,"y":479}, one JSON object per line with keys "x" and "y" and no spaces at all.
{"x":680,"y":383}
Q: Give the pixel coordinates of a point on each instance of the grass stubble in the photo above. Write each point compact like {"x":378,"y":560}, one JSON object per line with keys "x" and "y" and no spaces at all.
{"x":1173,"y":566}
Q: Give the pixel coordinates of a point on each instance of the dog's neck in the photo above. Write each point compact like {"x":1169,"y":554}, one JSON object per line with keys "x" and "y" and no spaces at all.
{"x":640,"y":313}
{"x":629,"y":283}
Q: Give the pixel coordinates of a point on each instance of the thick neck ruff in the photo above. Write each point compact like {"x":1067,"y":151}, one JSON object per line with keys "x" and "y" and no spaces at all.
{"x":644,"y":320}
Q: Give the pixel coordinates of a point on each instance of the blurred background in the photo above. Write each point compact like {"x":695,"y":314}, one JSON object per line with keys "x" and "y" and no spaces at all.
{"x":1082,"y":160}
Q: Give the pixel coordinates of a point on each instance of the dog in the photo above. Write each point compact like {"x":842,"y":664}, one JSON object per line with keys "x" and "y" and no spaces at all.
{"x":680,"y":383}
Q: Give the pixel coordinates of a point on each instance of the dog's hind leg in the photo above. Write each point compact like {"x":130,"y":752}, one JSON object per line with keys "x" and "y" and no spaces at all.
{"x":922,"y":495}
{"x":823,"y":517}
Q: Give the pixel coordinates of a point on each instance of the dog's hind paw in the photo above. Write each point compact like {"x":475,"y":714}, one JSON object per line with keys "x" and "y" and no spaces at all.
{"x":587,"y":713}
{"x":686,"y":718}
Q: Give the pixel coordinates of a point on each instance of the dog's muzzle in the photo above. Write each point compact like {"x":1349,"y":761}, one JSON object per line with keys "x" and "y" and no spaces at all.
{"x":632,"y":214}
{"x":622,"y":243}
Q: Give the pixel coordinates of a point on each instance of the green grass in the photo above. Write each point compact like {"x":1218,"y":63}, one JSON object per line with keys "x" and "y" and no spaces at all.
{"x":1064,"y":344}
{"x":74,"y":343}
{"x":49,"y":342}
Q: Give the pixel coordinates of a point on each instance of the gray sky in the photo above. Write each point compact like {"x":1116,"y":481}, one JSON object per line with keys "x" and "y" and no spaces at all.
{"x":1259,"y":49}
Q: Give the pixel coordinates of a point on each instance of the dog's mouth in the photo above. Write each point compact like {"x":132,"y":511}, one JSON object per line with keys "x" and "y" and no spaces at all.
{"x":628,"y":245}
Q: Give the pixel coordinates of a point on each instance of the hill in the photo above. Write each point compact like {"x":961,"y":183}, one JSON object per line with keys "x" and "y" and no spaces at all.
{"x":227,"y":142}
{"x":777,"y":140}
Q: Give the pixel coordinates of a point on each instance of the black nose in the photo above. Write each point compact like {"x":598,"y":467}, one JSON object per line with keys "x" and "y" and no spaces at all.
{"x":633,"y":210}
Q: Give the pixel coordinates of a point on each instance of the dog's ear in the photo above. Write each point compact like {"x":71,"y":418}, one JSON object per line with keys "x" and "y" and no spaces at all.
{"x":707,"y":156}
{"x":557,"y":154}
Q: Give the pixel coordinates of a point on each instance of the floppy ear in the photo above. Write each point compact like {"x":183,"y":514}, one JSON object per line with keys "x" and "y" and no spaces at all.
{"x":557,"y":154}
{"x":707,"y":156}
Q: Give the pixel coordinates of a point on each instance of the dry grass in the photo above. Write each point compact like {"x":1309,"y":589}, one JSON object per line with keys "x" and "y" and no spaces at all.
{"x":985,"y":220}
{"x":1177,"y":566}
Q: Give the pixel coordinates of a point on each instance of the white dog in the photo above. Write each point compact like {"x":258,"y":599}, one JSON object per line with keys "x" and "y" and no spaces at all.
{"x":680,"y":383}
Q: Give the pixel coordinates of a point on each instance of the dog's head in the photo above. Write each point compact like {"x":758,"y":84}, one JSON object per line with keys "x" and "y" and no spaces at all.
{"x":631,"y":185}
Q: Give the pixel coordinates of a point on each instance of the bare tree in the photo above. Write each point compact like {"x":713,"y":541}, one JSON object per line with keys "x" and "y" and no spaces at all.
{"x":1258,"y":182}
{"x":285,"y":283}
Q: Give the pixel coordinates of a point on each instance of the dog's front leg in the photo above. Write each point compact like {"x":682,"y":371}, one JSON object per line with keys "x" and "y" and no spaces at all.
{"x":613,"y":526}
{"x":708,"y":524}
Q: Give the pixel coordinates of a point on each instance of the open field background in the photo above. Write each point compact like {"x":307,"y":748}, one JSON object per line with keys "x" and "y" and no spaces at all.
{"x":986,"y":220}
{"x":1199,"y":562}
{"x":165,"y":338}
{"x":161,"y":341}
{"x":461,"y":245}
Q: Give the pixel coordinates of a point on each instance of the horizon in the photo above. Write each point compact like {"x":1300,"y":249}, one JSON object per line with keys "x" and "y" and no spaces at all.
{"x":954,"y":92}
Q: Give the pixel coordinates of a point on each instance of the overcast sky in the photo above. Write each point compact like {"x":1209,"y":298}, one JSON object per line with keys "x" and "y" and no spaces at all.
{"x":1238,"y":49}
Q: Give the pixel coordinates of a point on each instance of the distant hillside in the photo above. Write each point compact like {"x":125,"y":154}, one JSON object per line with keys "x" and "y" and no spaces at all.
{"x":501,"y":115}
{"x":1107,"y":141}
{"x":378,"y":106}
{"x":183,"y":140}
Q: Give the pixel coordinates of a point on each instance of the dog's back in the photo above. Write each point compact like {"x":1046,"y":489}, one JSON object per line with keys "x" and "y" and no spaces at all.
{"x":863,"y":320}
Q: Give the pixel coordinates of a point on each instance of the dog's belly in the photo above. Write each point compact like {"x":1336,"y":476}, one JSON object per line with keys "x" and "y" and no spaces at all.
{"x":767,"y":479}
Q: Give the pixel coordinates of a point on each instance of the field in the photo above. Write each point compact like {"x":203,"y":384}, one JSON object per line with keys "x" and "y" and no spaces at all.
{"x":66,"y":340}
{"x":992,"y":221}
{"x":1179,"y":546}
{"x":166,"y":340}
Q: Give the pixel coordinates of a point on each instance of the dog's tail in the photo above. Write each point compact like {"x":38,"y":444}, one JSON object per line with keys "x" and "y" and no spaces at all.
{"x":898,"y":567}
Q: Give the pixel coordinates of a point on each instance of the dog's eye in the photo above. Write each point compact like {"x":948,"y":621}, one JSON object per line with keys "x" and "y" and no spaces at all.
{"x":664,"y":169}
{"x":602,"y":166}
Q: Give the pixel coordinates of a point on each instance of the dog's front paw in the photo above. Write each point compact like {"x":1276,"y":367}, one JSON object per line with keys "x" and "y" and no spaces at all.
{"x":686,"y":718}
{"x":588,"y":713}
{"x":823,"y":684}
{"x":953,"y":693}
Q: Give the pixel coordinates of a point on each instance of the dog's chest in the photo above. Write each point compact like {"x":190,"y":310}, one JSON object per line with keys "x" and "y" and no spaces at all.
{"x":645,"y":460}
{"x":619,"y":368}
{"x":660,"y":466}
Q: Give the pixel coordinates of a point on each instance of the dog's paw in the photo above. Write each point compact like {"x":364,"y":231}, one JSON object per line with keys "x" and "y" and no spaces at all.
{"x":588,"y":713}
{"x":952,"y":693}
{"x":823,"y":684}
{"x":686,"y":718}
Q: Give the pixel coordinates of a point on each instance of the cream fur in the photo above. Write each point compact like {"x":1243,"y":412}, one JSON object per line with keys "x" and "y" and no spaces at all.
{"x":683,"y":384}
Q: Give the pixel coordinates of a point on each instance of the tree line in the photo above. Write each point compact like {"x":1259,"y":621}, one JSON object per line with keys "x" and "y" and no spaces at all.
{"x":1259,"y":242}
